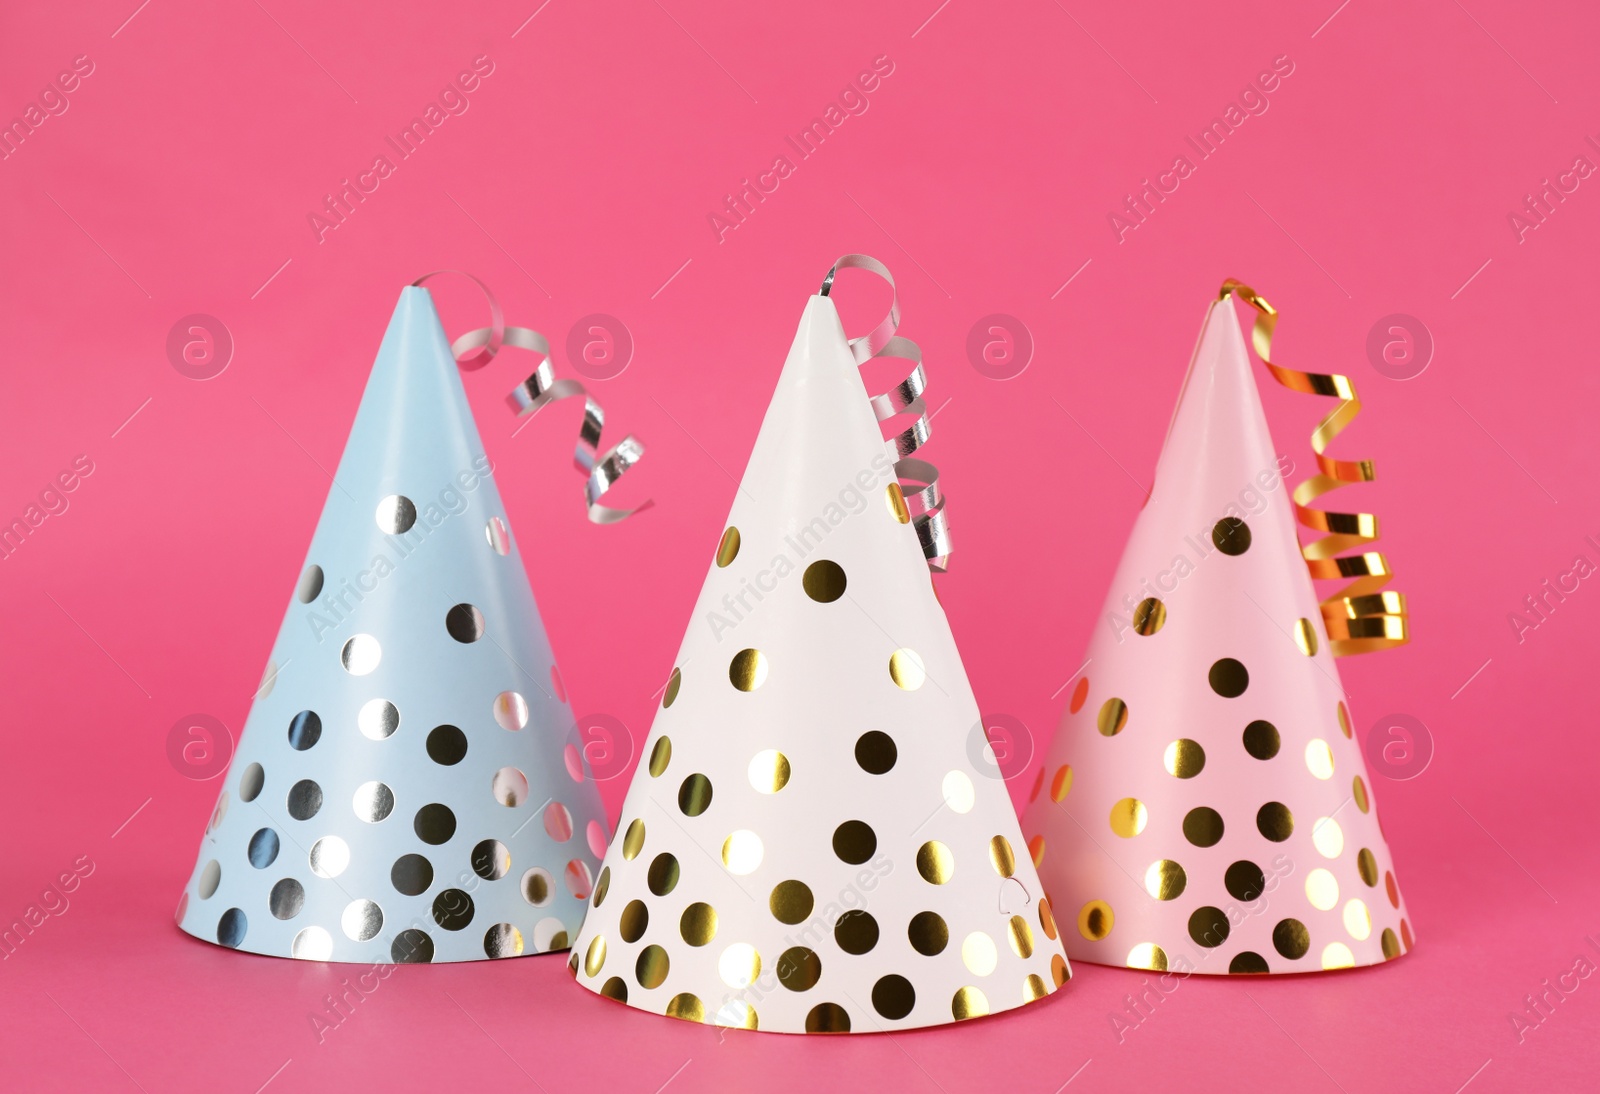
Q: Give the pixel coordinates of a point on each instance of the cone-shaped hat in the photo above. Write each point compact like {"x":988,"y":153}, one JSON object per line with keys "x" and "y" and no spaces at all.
{"x":1205,"y":807}
{"x":404,"y":789}
{"x":809,"y":844}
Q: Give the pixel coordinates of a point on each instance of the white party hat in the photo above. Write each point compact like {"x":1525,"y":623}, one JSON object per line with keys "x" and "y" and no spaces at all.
{"x":408,"y":786}
{"x":813,"y":842}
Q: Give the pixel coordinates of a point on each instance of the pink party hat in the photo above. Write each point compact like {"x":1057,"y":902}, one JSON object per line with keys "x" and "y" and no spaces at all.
{"x":810,"y":844}
{"x":1205,"y":806}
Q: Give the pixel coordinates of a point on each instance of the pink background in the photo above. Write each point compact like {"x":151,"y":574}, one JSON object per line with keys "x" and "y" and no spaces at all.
{"x":579,"y":180}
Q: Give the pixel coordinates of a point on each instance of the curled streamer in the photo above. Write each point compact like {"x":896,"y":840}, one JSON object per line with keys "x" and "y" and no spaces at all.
{"x":601,"y":471}
{"x":1362,"y":616}
{"x":923,"y":499}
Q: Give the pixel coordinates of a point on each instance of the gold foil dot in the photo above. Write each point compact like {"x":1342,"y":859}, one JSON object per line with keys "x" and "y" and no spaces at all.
{"x":698,"y":924}
{"x":1061,"y":783}
{"x":663,"y":874}
{"x":1128,"y":817}
{"x":686,"y":1006}
{"x":1033,"y":988}
{"x":1231,"y":536}
{"x":876,"y":752}
{"x":935,"y":862}
{"x":1002,"y":857}
{"x":635,"y":918}
{"x":742,"y":851}
{"x":1036,"y":850}
{"x":595,"y":959}
{"x":824,"y":581}
{"x":1149,"y":617}
{"x":1244,"y":880}
{"x":739,"y":965}
{"x":1405,"y":935}
{"x":1358,"y":790}
{"x":829,"y":1017}
{"x":360,"y":655}
{"x":1202,"y":826}
{"x":893,"y":996}
{"x":1357,"y":919}
{"x":510,"y":710}
{"x":1095,"y":920}
{"x":1344,"y":720}
{"x":1305,"y":636}
{"x":633,"y":840}
{"x":769,"y":771}
{"x":1319,"y":758}
{"x":1327,"y":837}
{"x":856,"y":932}
{"x":1261,"y":740}
{"x":674,"y":682}
{"x":1367,"y":864}
{"x":660,"y":756}
{"x":978,"y":954}
{"x":791,"y":902}
{"x":748,"y":670}
{"x":1228,"y":678}
{"x":896,"y":500}
{"x":728,"y":548}
{"x":1392,"y":889}
{"x":1391,"y":945}
{"x":958,"y":792}
{"x":1322,"y":890}
{"x":1020,"y":935}
{"x":651,"y":967}
{"x":1047,"y":918}
{"x":1147,"y":955}
{"x":1291,"y":939}
{"x":928,"y":933}
{"x":799,"y":968}
{"x":1246,"y":962}
{"x":1184,"y":758}
{"x":969,"y":1002}
{"x":395,"y":514}
{"x":854,"y":842}
{"x":1274,"y":821}
{"x":1113,"y":718}
{"x":1059,"y":972}
{"x":906,"y":669}
{"x":1336,"y":955}
{"x":1079,"y":694}
{"x":1208,"y":926}
{"x":694,"y":795}
{"x":601,"y":887}
{"x":1165,"y":879}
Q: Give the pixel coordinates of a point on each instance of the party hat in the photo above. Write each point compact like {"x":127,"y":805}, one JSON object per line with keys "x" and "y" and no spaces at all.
{"x":408,"y":785}
{"x":1206,"y":807}
{"x":812,"y":842}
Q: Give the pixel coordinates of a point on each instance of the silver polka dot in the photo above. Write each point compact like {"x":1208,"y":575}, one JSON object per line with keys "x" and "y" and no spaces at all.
{"x":361,"y":655}
{"x":396,"y":514}
{"x":305,"y":798}
{"x":312,"y":944}
{"x":287,"y":898}
{"x":373,"y":802}
{"x":210,"y":878}
{"x":329,"y":856}
{"x":362,"y":919}
{"x":538,"y":887}
{"x":378,"y":719}
{"x":310,"y":586}
{"x":498,"y":535}
{"x":510,"y":786}
{"x":250,"y":782}
{"x":464,"y":622}
{"x":510,"y":710}
{"x":502,"y":940}
{"x":269,"y":679}
{"x":491,"y":860}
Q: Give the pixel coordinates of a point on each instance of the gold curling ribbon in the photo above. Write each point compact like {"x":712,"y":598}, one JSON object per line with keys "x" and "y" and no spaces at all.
{"x":1362,"y":616}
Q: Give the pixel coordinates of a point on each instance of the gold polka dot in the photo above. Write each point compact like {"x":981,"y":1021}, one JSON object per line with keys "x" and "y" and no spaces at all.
{"x":686,"y":1006}
{"x":824,"y":581}
{"x":1079,"y":694}
{"x":1247,"y":961}
{"x":1322,"y":889}
{"x":935,"y":862}
{"x":595,"y":959}
{"x":698,"y":924}
{"x":1261,"y":740}
{"x":601,"y":887}
{"x":1036,"y":850}
{"x":1149,"y":616}
{"x":969,"y":1002}
{"x":829,"y":1017}
{"x":1033,"y":987}
{"x":694,"y":795}
{"x":615,"y":988}
{"x":928,"y":933}
{"x":906,"y":669}
{"x":651,"y":968}
{"x":728,"y":549}
{"x":856,"y":932}
{"x":876,"y":752}
{"x":635,"y":918}
{"x":1128,"y":817}
{"x":1274,"y":821}
{"x":748,"y":670}
{"x":660,"y":756}
{"x":663,"y":875}
{"x":1095,"y":920}
{"x":958,"y":792}
{"x":1319,"y":758}
{"x":1391,"y":945}
{"x":1357,"y":919}
{"x":769,"y":771}
{"x":1047,"y":918}
{"x":1202,"y":826}
{"x":1344,"y":720}
{"x":1061,"y":783}
{"x":633,"y":840}
{"x":1228,"y":678}
{"x":978,"y":954}
{"x":893,"y":997}
{"x":1405,"y":935}
{"x":1020,"y":935}
{"x":1231,"y":536}
{"x":1113,"y":718}
{"x":799,"y":968}
{"x":791,"y":902}
{"x":739,"y":965}
{"x":1184,"y":758}
{"x":1305,"y":636}
{"x":737,"y":1014}
{"x":854,"y":842}
{"x":674,"y":682}
{"x":1336,"y":955}
{"x":1358,"y":790}
{"x":1001,"y":856}
{"x":1165,"y":879}
{"x":896,"y":500}
{"x":742,"y":851}
{"x":1291,"y":939}
{"x":1147,"y":955}
{"x":1208,"y":926}
{"x":1244,"y":880}
{"x":1059,"y":972}
{"x":1327,"y":837}
{"x":1367,"y":864}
